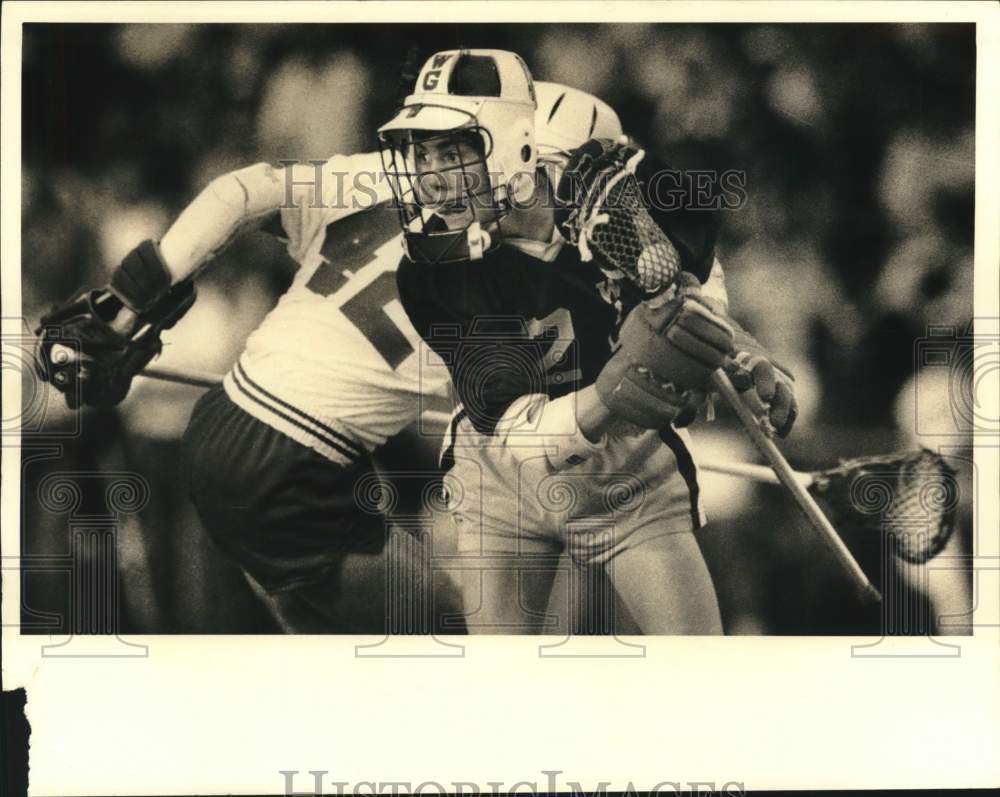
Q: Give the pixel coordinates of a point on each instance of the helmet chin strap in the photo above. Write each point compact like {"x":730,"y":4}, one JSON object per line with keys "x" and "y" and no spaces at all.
{"x":478,"y":240}
{"x":436,"y":244}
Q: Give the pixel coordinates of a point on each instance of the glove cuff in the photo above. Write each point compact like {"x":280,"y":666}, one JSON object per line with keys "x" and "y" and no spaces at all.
{"x":142,"y":278}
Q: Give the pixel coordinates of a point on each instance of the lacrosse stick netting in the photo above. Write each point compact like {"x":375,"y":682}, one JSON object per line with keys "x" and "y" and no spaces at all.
{"x":911,"y":497}
{"x":614,"y":223}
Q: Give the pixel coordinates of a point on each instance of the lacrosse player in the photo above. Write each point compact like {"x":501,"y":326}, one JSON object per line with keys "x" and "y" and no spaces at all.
{"x":277,"y":454}
{"x":574,"y":375}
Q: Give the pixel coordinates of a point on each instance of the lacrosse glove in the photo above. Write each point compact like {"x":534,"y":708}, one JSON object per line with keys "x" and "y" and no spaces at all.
{"x":90,"y":359}
{"x":766,"y":387}
{"x":669,"y":347}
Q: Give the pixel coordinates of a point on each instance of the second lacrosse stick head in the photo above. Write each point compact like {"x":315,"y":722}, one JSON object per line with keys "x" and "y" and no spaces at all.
{"x":911,"y":497}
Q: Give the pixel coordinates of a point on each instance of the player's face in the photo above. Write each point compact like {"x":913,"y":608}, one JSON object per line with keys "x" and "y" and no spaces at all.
{"x":452,"y":180}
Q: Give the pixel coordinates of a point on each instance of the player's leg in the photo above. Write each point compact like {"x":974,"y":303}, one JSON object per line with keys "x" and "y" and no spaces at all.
{"x":288,"y":517}
{"x":362,"y":593}
{"x":596,"y":606}
{"x":505,"y":583}
{"x":505,"y":562}
{"x":444,"y":576}
{"x":585,"y":602}
{"x":651,"y":553}
{"x":662,"y":578}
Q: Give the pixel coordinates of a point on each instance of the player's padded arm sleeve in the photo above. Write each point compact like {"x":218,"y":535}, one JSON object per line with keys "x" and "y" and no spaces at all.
{"x":318,"y":193}
{"x":229,"y":205}
{"x":672,"y":201}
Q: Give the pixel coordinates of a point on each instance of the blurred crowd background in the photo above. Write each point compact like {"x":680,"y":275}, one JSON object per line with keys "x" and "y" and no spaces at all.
{"x":858,"y":146}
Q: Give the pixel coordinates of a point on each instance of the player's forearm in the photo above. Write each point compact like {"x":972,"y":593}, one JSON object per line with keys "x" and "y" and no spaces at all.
{"x":714,"y":287}
{"x":228,"y":206}
{"x":593,"y":417}
{"x":570,"y":428}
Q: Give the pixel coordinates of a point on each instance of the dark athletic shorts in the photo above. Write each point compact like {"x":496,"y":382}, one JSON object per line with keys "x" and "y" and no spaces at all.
{"x":283,"y":512}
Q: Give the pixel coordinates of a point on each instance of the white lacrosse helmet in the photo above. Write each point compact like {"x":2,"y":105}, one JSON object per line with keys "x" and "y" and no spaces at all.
{"x":567,"y":118}
{"x":486,"y":92}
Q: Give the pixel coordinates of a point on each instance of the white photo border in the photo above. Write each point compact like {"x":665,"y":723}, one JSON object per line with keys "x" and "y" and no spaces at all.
{"x":226,"y":714}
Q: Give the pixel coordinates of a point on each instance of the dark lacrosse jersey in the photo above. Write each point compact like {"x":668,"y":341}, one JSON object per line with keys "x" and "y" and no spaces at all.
{"x":520,"y":335}
{"x":512,"y":324}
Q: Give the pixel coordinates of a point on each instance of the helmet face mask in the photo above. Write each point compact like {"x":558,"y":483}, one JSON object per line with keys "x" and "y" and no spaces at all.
{"x":448,"y":202}
{"x":478,"y":104}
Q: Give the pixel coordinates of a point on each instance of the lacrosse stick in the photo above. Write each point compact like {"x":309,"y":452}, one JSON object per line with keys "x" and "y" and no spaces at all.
{"x":207,"y":379}
{"x":787,"y":477}
{"x":911,"y":496}
{"x":181,"y":377}
{"x":614,"y":222}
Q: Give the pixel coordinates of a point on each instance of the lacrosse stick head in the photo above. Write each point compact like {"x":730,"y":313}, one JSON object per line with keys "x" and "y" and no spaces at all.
{"x":911,"y":498}
{"x":603,"y":214}
{"x":631,"y":241}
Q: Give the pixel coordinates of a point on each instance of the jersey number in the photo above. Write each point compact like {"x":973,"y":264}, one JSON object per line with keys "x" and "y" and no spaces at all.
{"x":366,"y":310}
{"x":559,"y":362}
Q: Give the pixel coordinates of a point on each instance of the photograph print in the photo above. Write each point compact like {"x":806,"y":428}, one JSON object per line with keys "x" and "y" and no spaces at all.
{"x":448,"y":329}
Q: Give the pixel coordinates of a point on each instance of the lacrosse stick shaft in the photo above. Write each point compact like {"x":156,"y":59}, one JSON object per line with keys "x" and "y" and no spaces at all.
{"x":435,"y":417}
{"x":752,"y":472}
{"x":181,"y":377}
{"x":787,"y":477}
{"x":210,"y":380}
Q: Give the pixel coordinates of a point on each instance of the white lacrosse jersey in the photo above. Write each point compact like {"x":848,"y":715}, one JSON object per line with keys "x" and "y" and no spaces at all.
{"x":336,"y":365}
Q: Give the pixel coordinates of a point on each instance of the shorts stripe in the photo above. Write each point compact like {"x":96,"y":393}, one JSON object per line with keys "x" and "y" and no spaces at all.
{"x":341,"y":444}
{"x":448,"y":457}
{"x":687,"y":469}
{"x":303,"y":415}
